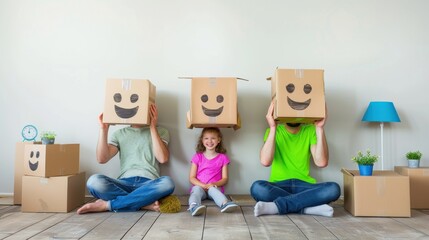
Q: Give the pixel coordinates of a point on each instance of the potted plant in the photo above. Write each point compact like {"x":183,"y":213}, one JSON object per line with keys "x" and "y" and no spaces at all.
{"x":365,"y":162}
{"x":413,"y":158}
{"x":48,"y":137}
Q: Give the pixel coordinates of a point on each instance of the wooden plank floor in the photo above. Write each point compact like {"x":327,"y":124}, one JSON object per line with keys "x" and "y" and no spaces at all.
{"x":213,"y":225}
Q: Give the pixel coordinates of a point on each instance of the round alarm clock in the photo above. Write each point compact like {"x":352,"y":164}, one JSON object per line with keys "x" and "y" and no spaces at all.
{"x":29,"y":133}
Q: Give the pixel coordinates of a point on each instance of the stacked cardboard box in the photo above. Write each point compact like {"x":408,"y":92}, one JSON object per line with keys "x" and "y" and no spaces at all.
{"x":51,"y":181}
{"x":19,"y":172}
{"x":419,"y":185}
{"x":384,"y":194}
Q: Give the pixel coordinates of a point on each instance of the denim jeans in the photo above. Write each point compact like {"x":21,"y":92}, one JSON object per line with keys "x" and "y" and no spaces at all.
{"x":129,"y":194}
{"x":198,"y":194}
{"x":293,"y":195}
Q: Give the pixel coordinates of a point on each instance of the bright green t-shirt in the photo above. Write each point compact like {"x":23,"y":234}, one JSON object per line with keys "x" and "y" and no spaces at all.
{"x":292,"y":153}
{"x":136,"y":152}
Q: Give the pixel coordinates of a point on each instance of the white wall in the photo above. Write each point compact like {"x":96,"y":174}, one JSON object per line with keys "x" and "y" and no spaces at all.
{"x":56,"y":55}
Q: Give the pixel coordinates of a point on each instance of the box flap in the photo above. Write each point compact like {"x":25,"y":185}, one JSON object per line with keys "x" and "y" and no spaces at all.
{"x":345,"y":171}
{"x":238,"y":78}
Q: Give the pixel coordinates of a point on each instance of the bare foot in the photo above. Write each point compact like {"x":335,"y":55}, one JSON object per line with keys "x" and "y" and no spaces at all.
{"x":97,"y":206}
{"x":152,"y":207}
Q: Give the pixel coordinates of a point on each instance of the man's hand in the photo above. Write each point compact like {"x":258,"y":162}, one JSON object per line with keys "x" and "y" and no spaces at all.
{"x":100,"y":121}
{"x":270,"y":119}
{"x":153,"y":111}
{"x":321,"y":123}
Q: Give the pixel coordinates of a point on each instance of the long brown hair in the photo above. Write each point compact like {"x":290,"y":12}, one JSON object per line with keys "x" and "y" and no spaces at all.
{"x":219,"y":148}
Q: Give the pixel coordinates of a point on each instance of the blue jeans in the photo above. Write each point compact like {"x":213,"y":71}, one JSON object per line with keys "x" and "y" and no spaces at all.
{"x":129,"y":194}
{"x":198,"y":194}
{"x":293,"y":195}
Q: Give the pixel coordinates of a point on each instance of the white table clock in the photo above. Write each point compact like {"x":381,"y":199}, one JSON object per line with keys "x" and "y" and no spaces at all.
{"x":29,"y":133}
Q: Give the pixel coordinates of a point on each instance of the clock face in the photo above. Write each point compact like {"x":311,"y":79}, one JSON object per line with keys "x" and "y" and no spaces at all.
{"x":29,"y":133}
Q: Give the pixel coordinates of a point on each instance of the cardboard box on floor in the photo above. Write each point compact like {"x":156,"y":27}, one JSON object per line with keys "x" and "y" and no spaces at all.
{"x":54,"y":194}
{"x":213,"y":103}
{"x":51,"y":160}
{"x":385,"y":194}
{"x":19,"y":171}
{"x":419,"y":185}
{"x":298,"y":94}
{"x":127,"y":101}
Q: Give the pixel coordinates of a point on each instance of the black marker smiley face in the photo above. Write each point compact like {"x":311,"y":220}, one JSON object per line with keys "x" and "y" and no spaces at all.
{"x":290,"y":88}
{"x":212,"y":112}
{"x":35,"y":165}
{"x":126,"y":112}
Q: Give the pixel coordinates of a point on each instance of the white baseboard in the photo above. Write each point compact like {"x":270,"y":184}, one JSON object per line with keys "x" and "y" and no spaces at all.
{"x":6,"y":194}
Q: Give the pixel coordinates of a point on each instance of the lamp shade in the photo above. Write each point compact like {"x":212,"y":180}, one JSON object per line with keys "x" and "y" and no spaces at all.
{"x":381,"y":112}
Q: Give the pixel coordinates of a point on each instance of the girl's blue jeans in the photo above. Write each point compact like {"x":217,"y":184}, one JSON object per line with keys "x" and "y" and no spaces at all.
{"x":293,"y":195}
{"x":198,"y":194}
{"x":129,"y":194}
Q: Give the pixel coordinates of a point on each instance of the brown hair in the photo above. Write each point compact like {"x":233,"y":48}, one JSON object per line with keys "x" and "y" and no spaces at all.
{"x":219,"y":148}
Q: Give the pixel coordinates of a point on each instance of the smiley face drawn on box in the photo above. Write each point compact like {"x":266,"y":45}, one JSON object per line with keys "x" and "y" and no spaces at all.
{"x":305,"y":92}
{"x":34,"y":158}
{"x":130,"y":99}
{"x":212,"y":112}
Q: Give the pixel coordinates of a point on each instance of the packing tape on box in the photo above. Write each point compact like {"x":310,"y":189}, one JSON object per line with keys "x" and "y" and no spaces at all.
{"x":212,"y":82}
{"x":212,"y":119}
{"x":299,"y":73}
{"x":44,"y":181}
{"x":126,"y":84}
{"x":381,"y":186}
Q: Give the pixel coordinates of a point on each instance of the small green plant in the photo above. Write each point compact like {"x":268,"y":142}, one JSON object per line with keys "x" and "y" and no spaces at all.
{"x":48,"y":135}
{"x":367,"y":159}
{"x":416,"y":155}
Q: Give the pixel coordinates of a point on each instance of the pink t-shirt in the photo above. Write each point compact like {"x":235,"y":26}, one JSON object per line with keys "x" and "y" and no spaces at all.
{"x":210,"y":170}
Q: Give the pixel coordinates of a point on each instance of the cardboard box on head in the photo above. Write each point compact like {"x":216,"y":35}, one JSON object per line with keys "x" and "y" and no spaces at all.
{"x":128,"y":101}
{"x":298,"y":94}
{"x":213,"y":103}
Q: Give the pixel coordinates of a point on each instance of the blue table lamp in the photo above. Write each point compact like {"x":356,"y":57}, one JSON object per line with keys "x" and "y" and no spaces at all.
{"x":381,"y":112}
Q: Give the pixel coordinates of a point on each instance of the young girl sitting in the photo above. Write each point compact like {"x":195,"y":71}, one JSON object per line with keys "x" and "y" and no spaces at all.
{"x":209,"y":173}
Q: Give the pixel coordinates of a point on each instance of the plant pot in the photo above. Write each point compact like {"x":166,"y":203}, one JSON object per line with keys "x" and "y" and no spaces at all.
{"x":413,"y":163}
{"x":365,"y":170}
{"x":47,"y":140}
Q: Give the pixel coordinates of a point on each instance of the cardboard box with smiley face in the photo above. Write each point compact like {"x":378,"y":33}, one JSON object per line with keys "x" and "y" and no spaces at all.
{"x":127,"y":101}
{"x":298,"y":94}
{"x":51,"y":160}
{"x":213,"y":103}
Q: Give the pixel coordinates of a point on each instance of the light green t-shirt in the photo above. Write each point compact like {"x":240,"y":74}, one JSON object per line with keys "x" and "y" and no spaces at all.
{"x":292,"y":153}
{"x":135,"y":151}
